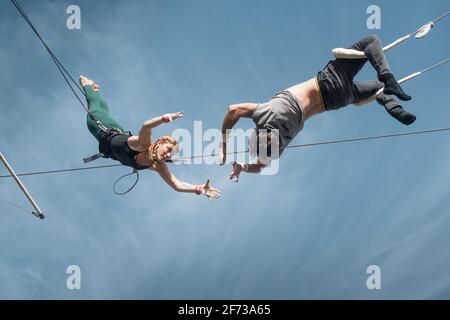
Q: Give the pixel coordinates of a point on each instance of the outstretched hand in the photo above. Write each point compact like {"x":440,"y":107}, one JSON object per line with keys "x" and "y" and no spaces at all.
{"x":210,"y":192}
{"x":169,"y":117}
{"x":237,"y":169}
{"x":177,"y":115}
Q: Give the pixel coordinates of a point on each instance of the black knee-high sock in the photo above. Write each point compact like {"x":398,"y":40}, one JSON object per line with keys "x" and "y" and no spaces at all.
{"x":395,"y":109}
{"x":374,"y":52}
{"x":401,"y":115}
{"x":391,"y":86}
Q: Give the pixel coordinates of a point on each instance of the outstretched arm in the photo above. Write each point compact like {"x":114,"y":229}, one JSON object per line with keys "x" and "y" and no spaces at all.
{"x":181,"y":186}
{"x":143,"y":140}
{"x":234,"y":113}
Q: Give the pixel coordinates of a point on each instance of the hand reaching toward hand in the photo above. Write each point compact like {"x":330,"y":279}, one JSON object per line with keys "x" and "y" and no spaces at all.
{"x":210,"y":192}
{"x":169,"y":117}
{"x":237,"y":169}
{"x":177,"y":115}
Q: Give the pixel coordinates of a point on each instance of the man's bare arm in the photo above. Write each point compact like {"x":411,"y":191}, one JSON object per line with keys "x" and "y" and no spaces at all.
{"x":234,"y":113}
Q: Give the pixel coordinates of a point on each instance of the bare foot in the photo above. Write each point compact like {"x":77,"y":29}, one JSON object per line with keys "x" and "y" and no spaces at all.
{"x":96,"y":87}
{"x":88,"y":82}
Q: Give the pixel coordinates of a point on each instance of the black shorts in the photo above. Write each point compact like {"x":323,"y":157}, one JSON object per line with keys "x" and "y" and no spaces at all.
{"x":334,"y":86}
{"x":339,"y":90}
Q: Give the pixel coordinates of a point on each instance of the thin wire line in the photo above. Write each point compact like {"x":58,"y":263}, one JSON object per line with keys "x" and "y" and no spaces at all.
{"x":16,"y":206}
{"x":436,"y":65}
{"x":335,"y":141}
{"x":59,"y":65}
{"x":371,"y":137}
{"x":55,"y":59}
{"x":442,"y":17}
{"x":357,"y":139}
{"x":434,"y":22}
{"x":62,"y":170}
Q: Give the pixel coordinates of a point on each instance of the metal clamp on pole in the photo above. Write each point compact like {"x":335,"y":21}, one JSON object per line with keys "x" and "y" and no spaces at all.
{"x":38,"y":213}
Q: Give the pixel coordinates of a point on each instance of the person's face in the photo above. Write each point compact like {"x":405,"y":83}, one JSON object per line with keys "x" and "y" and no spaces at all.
{"x":164,"y":151}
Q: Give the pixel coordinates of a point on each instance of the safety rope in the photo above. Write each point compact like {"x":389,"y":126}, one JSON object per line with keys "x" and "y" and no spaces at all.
{"x":18,"y":207}
{"x":66,"y":75}
{"x":319,"y":143}
{"x":129,"y":188}
{"x":15,"y":205}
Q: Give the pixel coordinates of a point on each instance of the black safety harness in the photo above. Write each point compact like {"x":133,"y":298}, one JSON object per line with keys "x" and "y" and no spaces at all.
{"x":105,"y":143}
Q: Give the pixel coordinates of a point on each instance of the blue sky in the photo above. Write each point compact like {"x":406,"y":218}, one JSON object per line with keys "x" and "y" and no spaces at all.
{"x":308,"y":232}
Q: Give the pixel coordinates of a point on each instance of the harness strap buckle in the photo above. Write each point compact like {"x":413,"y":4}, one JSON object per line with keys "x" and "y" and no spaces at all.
{"x":94,"y":157}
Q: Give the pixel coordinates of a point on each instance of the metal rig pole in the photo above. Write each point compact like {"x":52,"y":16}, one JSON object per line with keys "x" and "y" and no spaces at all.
{"x":38,"y":213}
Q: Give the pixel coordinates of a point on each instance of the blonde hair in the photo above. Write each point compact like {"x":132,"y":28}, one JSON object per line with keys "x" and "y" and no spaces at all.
{"x":168,"y":139}
{"x":163,"y":139}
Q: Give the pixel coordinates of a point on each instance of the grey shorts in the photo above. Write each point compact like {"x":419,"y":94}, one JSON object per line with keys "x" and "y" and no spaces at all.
{"x":289,"y":102}
{"x":283,"y":112}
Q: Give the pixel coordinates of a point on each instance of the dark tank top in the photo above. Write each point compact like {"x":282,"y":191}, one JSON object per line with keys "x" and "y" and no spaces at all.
{"x":117,"y":148}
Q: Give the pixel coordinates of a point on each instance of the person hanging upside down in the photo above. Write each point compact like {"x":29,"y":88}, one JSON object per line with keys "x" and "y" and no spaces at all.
{"x":138,"y":152}
{"x":333,"y":88}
